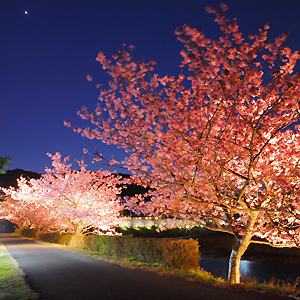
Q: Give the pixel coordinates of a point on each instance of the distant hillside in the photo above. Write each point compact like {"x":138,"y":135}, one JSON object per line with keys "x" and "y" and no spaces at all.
{"x":10,"y":177}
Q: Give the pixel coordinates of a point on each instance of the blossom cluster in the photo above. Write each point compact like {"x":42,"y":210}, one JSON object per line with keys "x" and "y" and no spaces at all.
{"x":66,"y":200}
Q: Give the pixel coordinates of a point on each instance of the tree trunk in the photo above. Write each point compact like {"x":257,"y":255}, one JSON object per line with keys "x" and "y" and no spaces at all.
{"x":78,"y":231}
{"x":37,"y":234}
{"x":78,"y":228}
{"x":239,"y":248}
{"x":234,"y":264}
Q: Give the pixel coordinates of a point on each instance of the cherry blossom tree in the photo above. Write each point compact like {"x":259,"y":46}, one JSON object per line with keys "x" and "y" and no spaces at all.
{"x":218,"y":144}
{"x":72,"y":201}
{"x":22,"y":206}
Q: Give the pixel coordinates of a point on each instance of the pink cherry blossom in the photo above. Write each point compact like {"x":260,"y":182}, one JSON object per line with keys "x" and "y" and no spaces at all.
{"x":66,"y":200}
{"x":212,"y":143}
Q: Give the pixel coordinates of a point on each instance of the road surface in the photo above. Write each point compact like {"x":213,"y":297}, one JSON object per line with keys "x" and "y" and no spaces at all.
{"x":57,"y":273}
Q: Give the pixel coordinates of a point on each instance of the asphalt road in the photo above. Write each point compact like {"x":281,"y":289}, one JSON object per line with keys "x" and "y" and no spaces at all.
{"x":56,"y":273}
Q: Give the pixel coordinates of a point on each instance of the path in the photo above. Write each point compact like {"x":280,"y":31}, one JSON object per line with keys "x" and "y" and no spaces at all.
{"x":57,"y":274}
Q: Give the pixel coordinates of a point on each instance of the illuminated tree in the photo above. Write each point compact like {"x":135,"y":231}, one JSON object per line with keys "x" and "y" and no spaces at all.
{"x":214,"y":146}
{"x":22,"y":207}
{"x":74,"y":201}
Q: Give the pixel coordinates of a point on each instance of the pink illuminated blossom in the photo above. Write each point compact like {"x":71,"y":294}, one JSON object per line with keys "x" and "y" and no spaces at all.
{"x":66,"y":200}
{"x":213,"y":145}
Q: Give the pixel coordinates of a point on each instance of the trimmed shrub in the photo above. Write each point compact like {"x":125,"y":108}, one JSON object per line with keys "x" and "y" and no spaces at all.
{"x":48,"y":237}
{"x":30,"y":233}
{"x":64,"y":238}
{"x":181,"y":253}
{"x":77,"y":241}
{"x":56,"y":237}
{"x":18,"y":231}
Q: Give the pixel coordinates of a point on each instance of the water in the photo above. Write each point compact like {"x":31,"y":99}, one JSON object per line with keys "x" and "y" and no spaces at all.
{"x":260,"y":270}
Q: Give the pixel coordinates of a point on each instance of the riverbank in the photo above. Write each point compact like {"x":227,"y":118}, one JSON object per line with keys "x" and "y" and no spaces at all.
{"x":220,"y":244}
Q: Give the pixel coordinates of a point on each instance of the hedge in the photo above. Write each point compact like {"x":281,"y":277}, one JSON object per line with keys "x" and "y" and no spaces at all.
{"x":176,"y":253}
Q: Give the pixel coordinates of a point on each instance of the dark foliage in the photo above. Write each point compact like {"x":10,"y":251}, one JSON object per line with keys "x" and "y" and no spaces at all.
{"x":10,"y":177}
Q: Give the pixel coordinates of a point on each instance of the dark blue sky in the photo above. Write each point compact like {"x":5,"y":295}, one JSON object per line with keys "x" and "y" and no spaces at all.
{"x":45,"y":56}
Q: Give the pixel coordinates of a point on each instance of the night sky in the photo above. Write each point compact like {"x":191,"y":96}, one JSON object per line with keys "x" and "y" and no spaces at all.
{"x":47,"y":53}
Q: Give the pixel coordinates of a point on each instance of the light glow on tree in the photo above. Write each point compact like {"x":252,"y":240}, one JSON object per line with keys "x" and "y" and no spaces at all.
{"x":214,"y":146}
{"x":66,"y":200}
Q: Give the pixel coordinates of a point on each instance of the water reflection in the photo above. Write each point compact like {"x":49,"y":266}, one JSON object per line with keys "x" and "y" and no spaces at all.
{"x":260,"y":270}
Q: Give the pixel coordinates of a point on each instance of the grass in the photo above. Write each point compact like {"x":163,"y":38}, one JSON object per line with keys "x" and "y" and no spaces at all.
{"x":12,"y":284}
{"x":274,"y":285}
